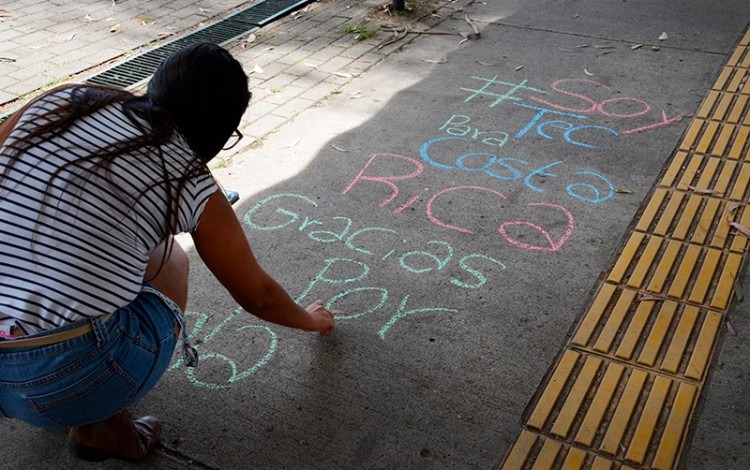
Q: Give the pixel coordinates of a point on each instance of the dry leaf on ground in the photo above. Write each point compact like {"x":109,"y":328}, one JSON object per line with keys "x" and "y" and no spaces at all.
{"x":648,"y":297}
{"x":741,"y":228}
{"x":703,"y":190}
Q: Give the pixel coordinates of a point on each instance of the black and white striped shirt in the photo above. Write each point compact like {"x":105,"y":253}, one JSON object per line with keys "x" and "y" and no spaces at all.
{"x":69,"y":247}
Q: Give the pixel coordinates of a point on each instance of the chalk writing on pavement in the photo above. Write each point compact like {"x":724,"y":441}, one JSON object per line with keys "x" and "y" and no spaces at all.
{"x":566,"y":112}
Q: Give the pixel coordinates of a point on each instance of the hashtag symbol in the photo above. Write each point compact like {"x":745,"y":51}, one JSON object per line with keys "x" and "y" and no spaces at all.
{"x":499,"y":98}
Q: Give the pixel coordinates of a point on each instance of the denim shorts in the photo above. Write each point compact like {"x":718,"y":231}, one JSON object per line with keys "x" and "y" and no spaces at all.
{"x":95,"y":375}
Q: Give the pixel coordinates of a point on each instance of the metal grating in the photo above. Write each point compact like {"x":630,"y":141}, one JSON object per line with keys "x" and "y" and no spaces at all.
{"x":135,"y":70}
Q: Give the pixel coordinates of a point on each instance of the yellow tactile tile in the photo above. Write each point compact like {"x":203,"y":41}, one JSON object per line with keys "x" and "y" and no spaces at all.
{"x":647,"y":425}
{"x":632,"y":418}
{"x":706,"y":109}
{"x":691,"y":135}
{"x":652,"y":209}
{"x":714,"y":138}
{"x":676,"y":427}
{"x":689,"y":174}
{"x":697,"y":219}
{"x":657,"y":334}
{"x":674,"y":169}
{"x":725,"y":286}
{"x":731,"y":79}
{"x":723,"y":78}
{"x":520,"y":451}
{"x":705,"y":181}
{"x":737,"y":81}
{"x":710,"y":177}
{"x":601,"y":464}
{"x":634,"y":331}
{"x":574,"y":460}
{"x":536,"y":452}
{"x":704,"y":346}
{"x":738,"y":150}
{"x":599,"y":405}
{"x":705,"y":276}
{"x":740,"y":107}
{"x":688,"y":355}
{"x":670,"y":212}
{"x":614,"y":323}
{"x":709,"y":133}
{"x":707,"y":223}
{"x":554,"y":388}
{"x":723,"y":140}
{"x":688,"y":216}
{"x":547,"y":455}
{"x":740,"y":213}
{"x":722,"y":107}
{"x":576,"y":396}
{"x":746,"y":61}
{"x":612,"y":441}
{"x":617,"y":273}
{"x":739,"y":189}
{"x":645,"y":262}
{"x":666,"y":263}
{"x":623,"y":393}
{"x":684,"y":272}
{"x":735,"y":58}
{"x":653,"y":332}
{"x":707,"y":284}
{"x":593,"y":315}
{"x":679,"y":340}
{"x":674,"y":268}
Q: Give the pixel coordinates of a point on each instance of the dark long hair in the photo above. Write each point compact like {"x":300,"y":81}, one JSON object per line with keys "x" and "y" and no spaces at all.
{"x":199,"y":92}
{"x":205,"y":91}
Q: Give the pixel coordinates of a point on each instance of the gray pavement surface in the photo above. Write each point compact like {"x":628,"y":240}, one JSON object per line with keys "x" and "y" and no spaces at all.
{"x":366,"y":182}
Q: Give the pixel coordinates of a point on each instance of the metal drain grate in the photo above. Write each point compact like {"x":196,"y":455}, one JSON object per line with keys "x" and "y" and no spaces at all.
{"x":132,"y":72}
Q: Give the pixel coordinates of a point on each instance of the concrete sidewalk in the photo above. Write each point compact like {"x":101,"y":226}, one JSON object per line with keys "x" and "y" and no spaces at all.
{"x":466,"y":201}
{"x":43,"y":43}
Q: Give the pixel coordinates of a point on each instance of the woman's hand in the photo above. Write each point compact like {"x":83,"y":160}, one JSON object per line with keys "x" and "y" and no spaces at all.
{"x":321,"y":320}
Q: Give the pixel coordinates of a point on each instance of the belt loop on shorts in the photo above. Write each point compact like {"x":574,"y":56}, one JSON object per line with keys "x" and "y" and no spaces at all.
{"x":100,"y":331}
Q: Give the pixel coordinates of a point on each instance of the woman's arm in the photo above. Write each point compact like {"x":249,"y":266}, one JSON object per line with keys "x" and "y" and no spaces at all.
{"x":222,"y":245}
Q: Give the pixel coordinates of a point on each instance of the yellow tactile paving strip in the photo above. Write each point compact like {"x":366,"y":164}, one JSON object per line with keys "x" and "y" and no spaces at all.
{"x":623,"y":391}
